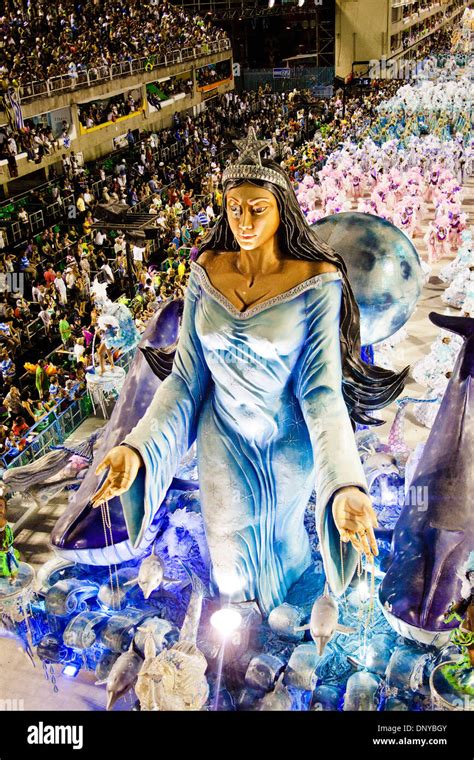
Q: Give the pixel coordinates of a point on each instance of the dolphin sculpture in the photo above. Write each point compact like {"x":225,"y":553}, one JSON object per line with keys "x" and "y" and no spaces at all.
{"x":323,"y":621}
{"x":434,"y":535}
{"x":79,"y":533}
{"x":151,"y":575}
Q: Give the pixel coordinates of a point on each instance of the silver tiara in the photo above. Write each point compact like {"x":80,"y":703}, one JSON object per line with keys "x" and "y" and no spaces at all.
{"x":249,"y":162}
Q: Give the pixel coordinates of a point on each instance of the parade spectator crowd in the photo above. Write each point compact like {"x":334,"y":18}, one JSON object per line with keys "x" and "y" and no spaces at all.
{"x":41,"y":40}
{"x":213,"y":72}
{"x":164,"y":90}
{"x":36,"y":140}
{"x":103,"y":111}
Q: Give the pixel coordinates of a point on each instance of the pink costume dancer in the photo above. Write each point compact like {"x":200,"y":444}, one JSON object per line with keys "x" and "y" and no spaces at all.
{"x":419,"y":213}
{"x":88,"y":337}
{"x":380,"y":192}
{"x":404,"y":220}
{"x":337,"y":205}
{"x":437,"y":239}
{"x":367,"y":206}
{"x":356,"y":185}
{"x":329,"y":190}
{"x":382,"y":208}
{"x":373,"y":177}
{"x":456,"y":226}
{"x":394,"y":189}
{"x":432,"y":185}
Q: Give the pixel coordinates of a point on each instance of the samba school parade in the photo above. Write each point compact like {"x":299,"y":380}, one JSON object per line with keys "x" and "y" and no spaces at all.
{"x":237,"y":351}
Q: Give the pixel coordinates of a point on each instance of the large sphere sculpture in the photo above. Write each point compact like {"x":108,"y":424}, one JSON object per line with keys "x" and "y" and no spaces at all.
{"x":383,"y":268}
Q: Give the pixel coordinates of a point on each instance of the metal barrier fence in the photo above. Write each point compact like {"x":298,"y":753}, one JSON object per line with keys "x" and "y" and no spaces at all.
{"x":96,"y":74}
{"x":60,"y":425}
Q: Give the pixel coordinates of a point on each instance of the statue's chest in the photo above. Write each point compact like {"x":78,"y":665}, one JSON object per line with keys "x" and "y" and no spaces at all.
{"x":244,"y":293}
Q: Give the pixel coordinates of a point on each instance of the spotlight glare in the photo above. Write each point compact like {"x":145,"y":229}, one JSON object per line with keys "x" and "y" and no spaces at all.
{"x":70,"y":671}
{"x":271,"y":3}
{"x":227,"y":582}
{"x":300,"y":3}
{"x":226,"y":621}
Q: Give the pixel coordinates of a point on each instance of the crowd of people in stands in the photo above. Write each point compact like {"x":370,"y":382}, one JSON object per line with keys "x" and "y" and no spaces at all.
{"x":213,"y":72}
{"x":158,"y":92}
{"x":43,"y":40}
{"x":55,"y":309}
{"x":143,"y":174}
{"x":103,"y":111}
{"x":36,"y":140}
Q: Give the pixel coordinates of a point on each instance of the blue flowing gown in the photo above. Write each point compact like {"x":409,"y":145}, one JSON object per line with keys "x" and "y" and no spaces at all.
{"x":261,"y":392}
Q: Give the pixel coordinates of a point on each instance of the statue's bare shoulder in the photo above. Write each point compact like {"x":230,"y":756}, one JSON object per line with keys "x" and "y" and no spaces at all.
{"x":319,"y":267}
{"x":205,"y":258}
{"x":213,"y":261}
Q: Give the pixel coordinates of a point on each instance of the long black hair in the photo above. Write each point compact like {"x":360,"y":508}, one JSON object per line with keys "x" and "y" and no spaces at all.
{"x":365,"y":387}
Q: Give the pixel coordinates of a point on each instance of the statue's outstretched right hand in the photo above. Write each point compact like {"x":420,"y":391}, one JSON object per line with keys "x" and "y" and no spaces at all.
{"x":123,"y":463}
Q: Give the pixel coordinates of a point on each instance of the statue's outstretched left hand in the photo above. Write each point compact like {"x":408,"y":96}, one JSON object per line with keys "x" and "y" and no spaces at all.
{"x":355,"y":520}
{"x":123,"y":464}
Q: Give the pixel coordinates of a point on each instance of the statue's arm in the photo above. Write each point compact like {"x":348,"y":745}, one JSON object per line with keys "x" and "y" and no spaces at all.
{"x":318,"y":387}
{"x":156,"y":445}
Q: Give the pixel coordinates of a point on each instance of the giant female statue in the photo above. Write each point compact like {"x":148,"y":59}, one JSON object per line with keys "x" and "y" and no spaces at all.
{"x":267,"y":377}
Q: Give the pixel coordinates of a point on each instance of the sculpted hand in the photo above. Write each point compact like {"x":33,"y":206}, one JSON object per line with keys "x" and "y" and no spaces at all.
{"x":355,"y":520}
{"x":123,"y":463}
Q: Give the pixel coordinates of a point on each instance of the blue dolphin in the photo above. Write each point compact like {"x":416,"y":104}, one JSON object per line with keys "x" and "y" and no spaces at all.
{"x":434,"y":535}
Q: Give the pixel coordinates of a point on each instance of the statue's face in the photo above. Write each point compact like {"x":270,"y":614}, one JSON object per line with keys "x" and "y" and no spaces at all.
{"x":253,"y":215}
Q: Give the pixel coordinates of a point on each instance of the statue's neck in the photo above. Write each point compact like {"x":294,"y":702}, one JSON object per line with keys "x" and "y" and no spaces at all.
{"x":263,"y":260}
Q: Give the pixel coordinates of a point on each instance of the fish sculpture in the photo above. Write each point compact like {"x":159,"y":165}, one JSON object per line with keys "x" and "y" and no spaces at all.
{"x":175,"y":678}
{"x":114,"y":591}
{"x":378,"y":464}
{"x":105,"y":665}
{"x":44,"y":478}
{"x":119,"y":631}
{"x":277,"y":700}
{"x":323,"y":621}
{"x":48,"y":468}
{"x":151,"y":575}
{"x":122,"y":677}
{"x":434,"y":534}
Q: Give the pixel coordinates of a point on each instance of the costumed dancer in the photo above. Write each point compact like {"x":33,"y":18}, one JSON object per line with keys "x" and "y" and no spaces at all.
{"x":436,"y":239}
{"x":441,"y":359}
{"x":463,"y":260}
{"x":432,"y":185}
{"x":455,"y":294}
{"x":463,"y":610}
{"x":9,"y":556}
{"x":357,"y":188}
{"x":116,"y":328}
{"x":457,"y":225}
